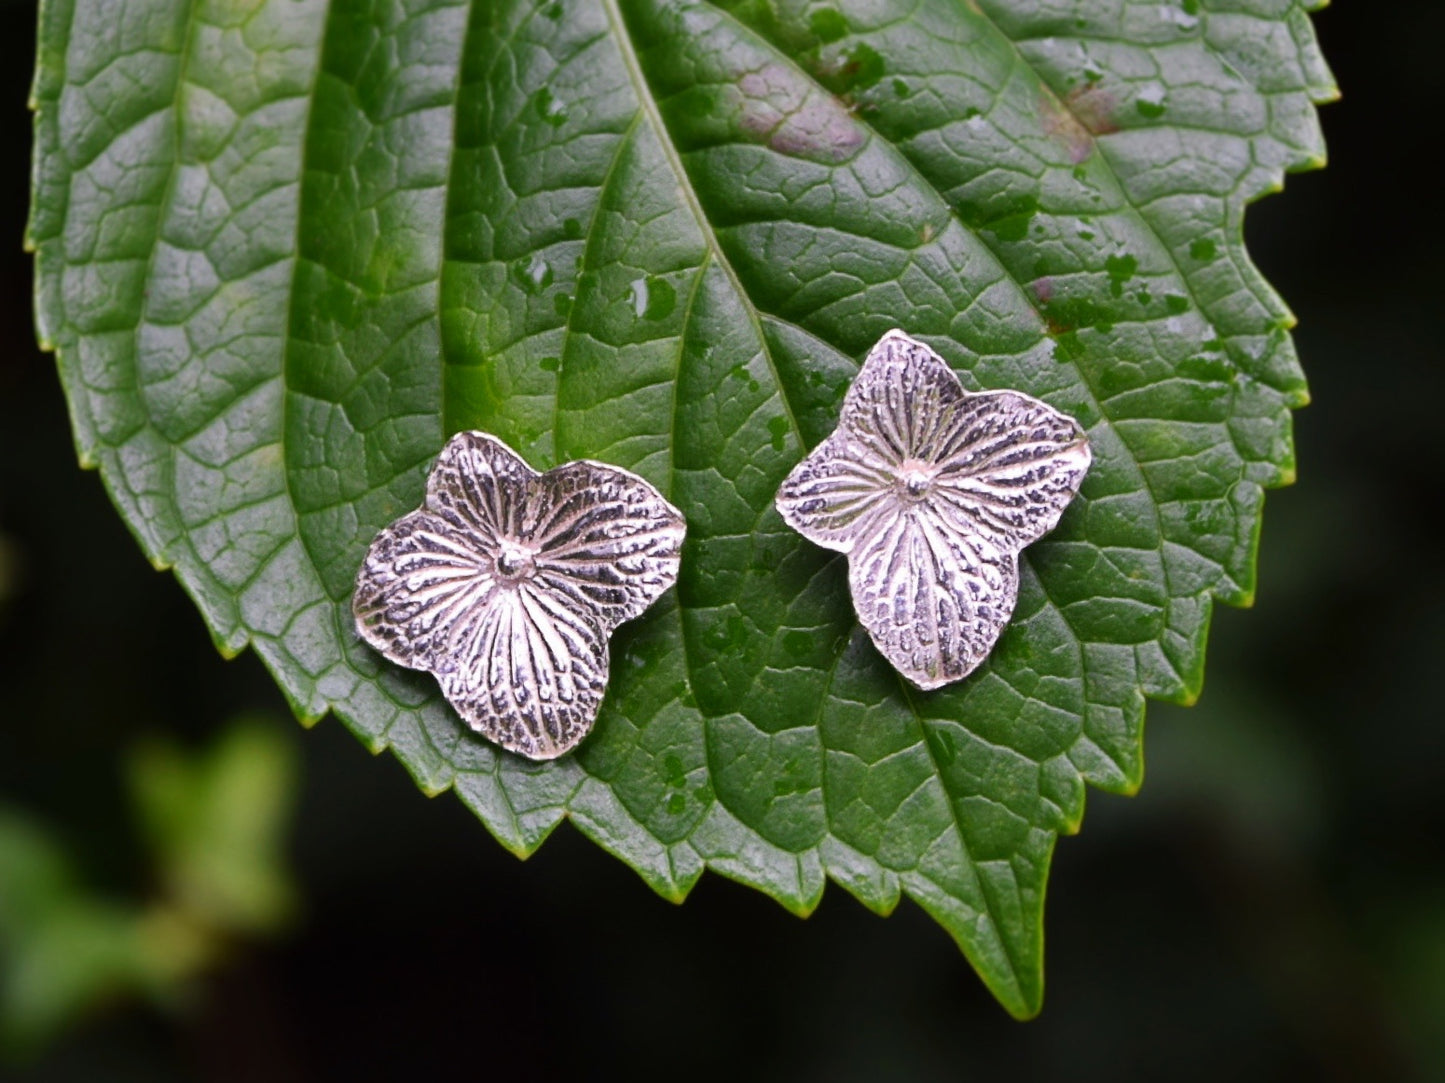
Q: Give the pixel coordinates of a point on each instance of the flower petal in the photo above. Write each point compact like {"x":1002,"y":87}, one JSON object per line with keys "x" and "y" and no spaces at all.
{"x":933,"y":600}
{"x":604,"y":538}
{"x":479,"y":485}
{"x":421,"y":590}
{"x":837,"y":493}
{"x":531,"y":674}
{"x":1009,"y":467}
{"x":932,"y":491}
{"x":901,"y":403}
{"x":506,"y":584}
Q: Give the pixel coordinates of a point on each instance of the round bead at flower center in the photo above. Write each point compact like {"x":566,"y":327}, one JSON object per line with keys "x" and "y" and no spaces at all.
{"x":514,"y":562}
{"x":915,"y":479}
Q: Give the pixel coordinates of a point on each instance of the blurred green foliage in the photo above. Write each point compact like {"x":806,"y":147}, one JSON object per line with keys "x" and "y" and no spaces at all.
{"x":214,"y":827}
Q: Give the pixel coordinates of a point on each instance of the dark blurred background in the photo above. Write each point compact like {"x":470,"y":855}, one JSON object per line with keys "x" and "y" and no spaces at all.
{"x":1272,"y":906}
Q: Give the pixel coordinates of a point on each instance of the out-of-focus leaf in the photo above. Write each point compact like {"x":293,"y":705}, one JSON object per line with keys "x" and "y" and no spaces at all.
{"x":217,"y":822}
{"x":61,"y":950}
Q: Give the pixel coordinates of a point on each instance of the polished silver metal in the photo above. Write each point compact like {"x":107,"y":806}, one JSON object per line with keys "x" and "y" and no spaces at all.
{"x":932,"y":491}
{"x":506,"y":584}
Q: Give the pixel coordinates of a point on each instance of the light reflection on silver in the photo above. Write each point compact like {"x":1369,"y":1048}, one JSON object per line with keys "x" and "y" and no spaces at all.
{"x":932,"y":491}
{"x":506,"y":584}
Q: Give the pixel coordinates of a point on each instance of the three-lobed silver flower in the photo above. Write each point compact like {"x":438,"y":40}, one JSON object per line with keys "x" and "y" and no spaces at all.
{"x":932,"y":491}
{"x":507,"y":583}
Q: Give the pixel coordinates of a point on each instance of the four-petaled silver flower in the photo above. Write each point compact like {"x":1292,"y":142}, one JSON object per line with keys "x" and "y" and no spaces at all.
{"x":506,"y":584}
{"x":932,"y":491}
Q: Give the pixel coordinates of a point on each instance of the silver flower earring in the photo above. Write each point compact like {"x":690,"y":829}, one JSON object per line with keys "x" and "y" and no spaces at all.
{"x":507,"y":583}
{"x":932,"y":491}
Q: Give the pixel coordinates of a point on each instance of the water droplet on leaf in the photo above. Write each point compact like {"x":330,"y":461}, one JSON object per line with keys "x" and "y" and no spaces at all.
{"x":1150,"y":101}
{"x":533,"y":275}
{"x":549,"y":108}
{"x":653,"y":298}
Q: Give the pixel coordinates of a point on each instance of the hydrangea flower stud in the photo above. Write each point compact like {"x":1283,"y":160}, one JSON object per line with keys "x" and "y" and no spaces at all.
{"x":932,"y":491}
{"x":506,"y":584}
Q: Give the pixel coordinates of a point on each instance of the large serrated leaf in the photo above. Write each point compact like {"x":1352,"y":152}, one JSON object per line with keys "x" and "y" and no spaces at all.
{"x":284,"y":248}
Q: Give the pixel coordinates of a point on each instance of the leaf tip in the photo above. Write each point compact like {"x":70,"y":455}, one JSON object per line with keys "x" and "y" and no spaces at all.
{"x":1027,"y":1011}
{"x":1022,"y":1000}
{"x":687,"y":869}
{"x":516,"y":847}
{"x":799,"y":905}
{"x":804,"y":908}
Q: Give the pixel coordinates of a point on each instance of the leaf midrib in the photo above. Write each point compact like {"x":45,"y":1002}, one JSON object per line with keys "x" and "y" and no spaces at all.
{"x":647,"y":102}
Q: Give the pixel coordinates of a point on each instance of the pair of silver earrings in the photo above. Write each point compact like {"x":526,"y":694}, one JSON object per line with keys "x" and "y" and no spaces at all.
{"x":506,"y":584}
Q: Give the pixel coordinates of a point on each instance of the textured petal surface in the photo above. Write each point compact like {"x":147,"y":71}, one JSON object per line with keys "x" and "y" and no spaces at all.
{"x":604,"y":537}
{"x":508,"y":582}
{"x":422,"y":590}
{"x":480,"y":485}
{"x":837,"y":493}
{"x":531,"y":676}
{"x":1009,"y":466}
{"x":933,"y":600}
{"x":933,"y":491}
{"x":901,"y":406}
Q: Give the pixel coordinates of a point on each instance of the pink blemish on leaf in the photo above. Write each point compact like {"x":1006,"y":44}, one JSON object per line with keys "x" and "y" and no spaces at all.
{"x":779,"y":108}
{"x":1063,"y":126}
{"x":1094,"y":108}
{"x":1085,"y":112}
{"x":1043,"y":289}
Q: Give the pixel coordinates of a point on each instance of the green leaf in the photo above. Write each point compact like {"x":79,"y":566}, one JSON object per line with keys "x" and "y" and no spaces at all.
{"x":284,"y":248}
